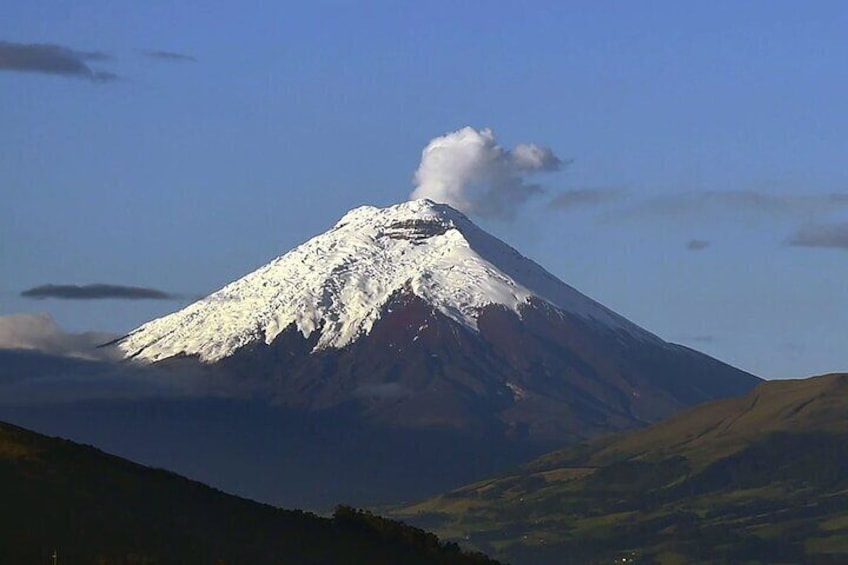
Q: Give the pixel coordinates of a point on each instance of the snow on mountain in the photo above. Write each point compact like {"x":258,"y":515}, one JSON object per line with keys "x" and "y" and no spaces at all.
{"x":338,"y":283}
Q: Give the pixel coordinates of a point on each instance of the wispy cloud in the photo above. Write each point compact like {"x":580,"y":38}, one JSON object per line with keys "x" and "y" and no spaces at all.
{"x":40,"y":363}
{"x":704,"y":338}
{"x":38,"y":332}
{"x":697,"y":244}
{"x":168,"y":56}
{"x":746,"y":201}
{"x":52,"y":59}
{"x":711,"y":208}
{"x":97,"y":291}
{"x":585,"y":197}
{"x":382,"y":390}
{"x":834,"y":235}
{"x":32,"y":378}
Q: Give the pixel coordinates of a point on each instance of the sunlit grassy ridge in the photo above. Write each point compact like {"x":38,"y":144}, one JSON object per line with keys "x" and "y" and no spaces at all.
{"x":760,"y":478}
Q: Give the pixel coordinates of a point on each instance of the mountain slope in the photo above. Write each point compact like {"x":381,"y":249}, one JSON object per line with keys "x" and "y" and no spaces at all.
{"x":763,"y":478}
{"x":338,"y":284}
{"x":420,"y":319}
{"x":91,"y":507}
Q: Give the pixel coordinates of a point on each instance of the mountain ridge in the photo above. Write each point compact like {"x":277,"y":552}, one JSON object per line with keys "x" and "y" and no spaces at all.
{"x":337,"y":283}
{"x":758,"y":478}
{"x":421,"y":319}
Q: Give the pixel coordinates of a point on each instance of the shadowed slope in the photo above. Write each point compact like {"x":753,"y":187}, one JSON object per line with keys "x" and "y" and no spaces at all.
{"x":91,"y":507}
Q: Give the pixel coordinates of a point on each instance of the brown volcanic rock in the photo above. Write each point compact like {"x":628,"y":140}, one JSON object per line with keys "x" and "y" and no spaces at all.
{"x":545,"y":376}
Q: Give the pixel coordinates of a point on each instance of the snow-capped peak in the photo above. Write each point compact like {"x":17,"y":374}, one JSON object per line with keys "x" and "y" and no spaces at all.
{"x":338,"y":283}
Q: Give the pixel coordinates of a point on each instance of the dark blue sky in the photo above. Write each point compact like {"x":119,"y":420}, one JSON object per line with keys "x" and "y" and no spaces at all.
{"x":716,"y":131}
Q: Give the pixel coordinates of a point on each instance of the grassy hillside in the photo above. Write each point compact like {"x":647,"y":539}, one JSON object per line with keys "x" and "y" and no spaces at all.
{"x":91,"y":507}
{"x":760,"y":478}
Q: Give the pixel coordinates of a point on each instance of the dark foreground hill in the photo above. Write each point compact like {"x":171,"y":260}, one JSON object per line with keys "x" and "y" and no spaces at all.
{"x":91,"y":507}
{"x":761,"y":478}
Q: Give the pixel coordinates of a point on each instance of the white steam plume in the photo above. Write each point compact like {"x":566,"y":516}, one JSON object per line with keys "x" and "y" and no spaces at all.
{"x":470,"y":171}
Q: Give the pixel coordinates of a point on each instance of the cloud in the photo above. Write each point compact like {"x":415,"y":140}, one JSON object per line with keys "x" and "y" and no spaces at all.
{"x":36,"y":378}
{"x":585,"y":197}
{"x":697,"y":244}
{"x":169,"y":56}
{"x":382,"y":391}
{"x":706,"y":338}
{"x":719,"y":203}
{"x":42,"y":364}
{"x":38,"y":332}
{"x":793,"y":349}
{"x":833,"y":235}
{"x":97,"y":291}
{"x":468,"y":170}
{"x":53,"y":60}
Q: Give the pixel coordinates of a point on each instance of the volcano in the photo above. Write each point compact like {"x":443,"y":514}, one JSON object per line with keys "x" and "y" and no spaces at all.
{"x":412,"y":316}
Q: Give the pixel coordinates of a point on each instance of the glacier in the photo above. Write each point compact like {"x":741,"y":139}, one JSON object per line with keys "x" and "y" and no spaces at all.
{"x":339,"y":282}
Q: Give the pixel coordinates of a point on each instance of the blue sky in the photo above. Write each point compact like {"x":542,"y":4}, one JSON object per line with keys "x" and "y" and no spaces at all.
{"x":717,"y":126}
